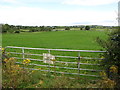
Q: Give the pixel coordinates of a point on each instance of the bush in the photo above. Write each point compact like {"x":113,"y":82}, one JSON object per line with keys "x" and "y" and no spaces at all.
{"x":81,"y":28}
{"x":13,"y":75}
{"x":112,"y":56}
{"x":87,"y":27}
{"x":3,"y":31}
{"x":17,"y":31}
{"x":67,"y":28}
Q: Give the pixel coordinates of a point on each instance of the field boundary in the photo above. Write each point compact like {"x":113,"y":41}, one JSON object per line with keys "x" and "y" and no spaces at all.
{"x":78,"y":63}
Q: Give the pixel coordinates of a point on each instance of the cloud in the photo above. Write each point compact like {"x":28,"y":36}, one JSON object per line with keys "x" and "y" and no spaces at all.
{"x":89,"y":2}
{"x":10,"y":1}
{"x":40,"y":16}
{"x":70,"y":2}
{"x":29,"y":1}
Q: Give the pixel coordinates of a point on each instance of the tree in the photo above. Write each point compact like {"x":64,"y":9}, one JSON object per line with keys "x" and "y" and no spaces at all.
{"x":5,"y":28}
{"x":67,"y":28}
{"x":8,"y":28}
{"x":87,"y":27}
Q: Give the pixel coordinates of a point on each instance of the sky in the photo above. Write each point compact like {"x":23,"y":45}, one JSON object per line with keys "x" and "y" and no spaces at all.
{"x":59,"y":12}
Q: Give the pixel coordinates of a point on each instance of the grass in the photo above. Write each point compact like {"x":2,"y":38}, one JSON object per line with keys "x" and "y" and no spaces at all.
{"x":84,"y":40}
{"x":16,"y":77}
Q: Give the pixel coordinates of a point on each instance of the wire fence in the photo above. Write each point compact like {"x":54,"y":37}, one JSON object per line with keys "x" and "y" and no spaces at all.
{"x":63,"y":61}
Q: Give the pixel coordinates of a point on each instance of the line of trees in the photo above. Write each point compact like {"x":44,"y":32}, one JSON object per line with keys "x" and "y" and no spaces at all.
{"x":19,"y":28}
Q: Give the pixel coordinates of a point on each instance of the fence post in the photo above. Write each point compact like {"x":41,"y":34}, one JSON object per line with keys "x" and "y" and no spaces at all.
{"x":78,"y":62}
{"x":49,"y":60}
{"x":23,"y":51}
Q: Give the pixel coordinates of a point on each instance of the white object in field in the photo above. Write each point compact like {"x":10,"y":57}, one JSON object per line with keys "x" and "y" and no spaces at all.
{"x":47,"y":58}
{"x":66,"y":64}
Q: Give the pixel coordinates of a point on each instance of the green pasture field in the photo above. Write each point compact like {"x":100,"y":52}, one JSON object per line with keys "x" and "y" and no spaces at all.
{"x":76,"y":40}
{"x":82,"y":40}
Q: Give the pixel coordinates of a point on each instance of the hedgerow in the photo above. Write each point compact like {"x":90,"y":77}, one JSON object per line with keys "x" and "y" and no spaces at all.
{"x":111,"y":61}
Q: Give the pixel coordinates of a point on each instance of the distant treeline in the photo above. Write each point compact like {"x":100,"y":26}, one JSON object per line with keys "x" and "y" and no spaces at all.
{"x":19,"y":28}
